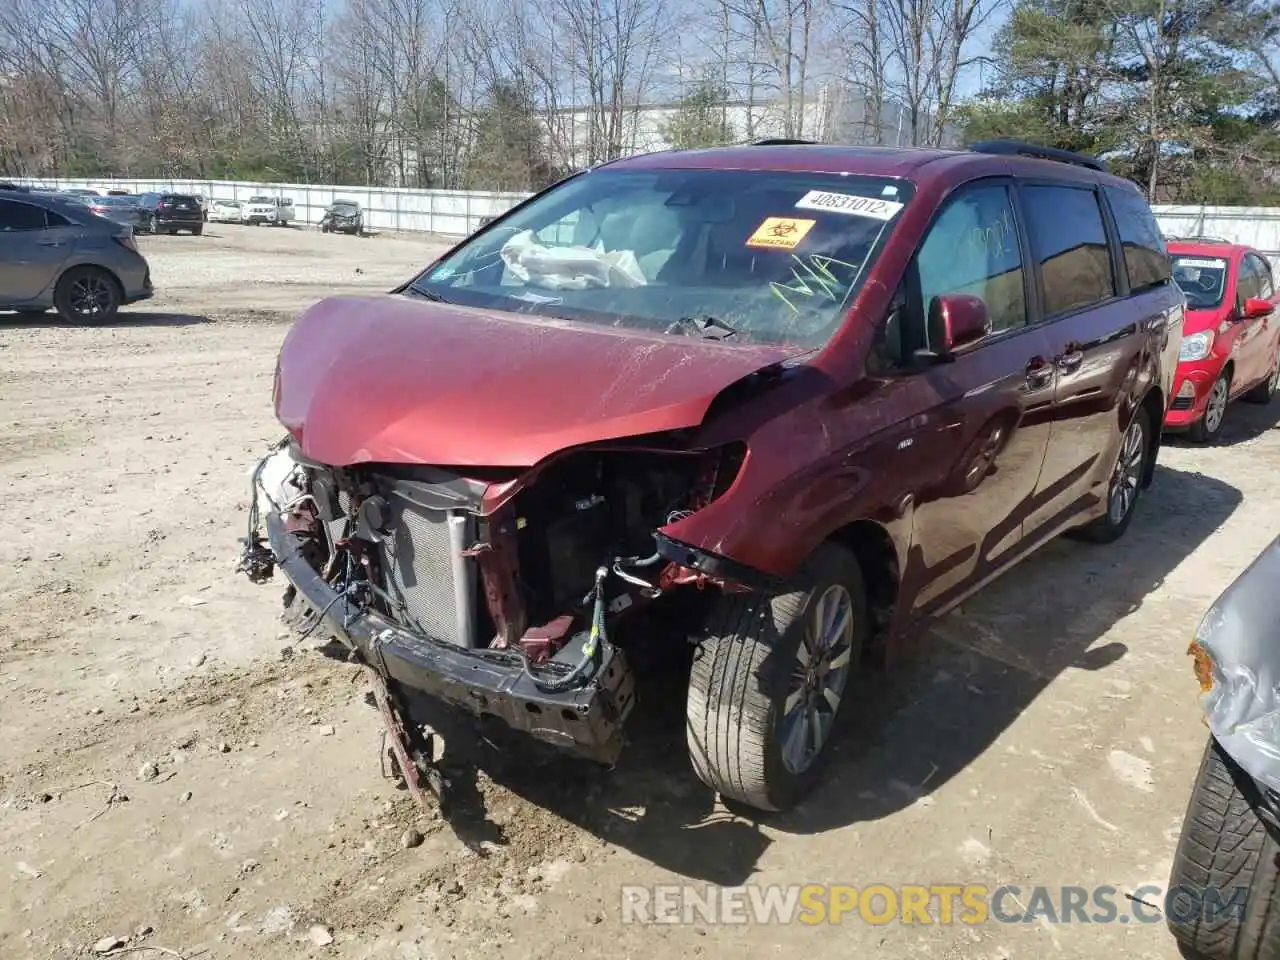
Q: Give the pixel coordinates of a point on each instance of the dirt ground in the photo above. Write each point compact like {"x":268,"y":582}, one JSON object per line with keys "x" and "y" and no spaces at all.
{"x":173,"y":762}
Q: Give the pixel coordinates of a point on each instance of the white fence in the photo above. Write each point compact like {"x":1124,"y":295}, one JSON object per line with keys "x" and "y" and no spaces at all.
{"x":459,"y":212}
{"x":1259,"y":227}
{"x":453,"y":212}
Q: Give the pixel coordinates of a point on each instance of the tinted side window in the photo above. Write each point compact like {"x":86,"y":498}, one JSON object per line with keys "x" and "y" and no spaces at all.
{"x":1248,"y":284}
{"x":1146,"y":258}
{"x":973,"y":248}
{"x":1266,"y":288}
{"x":1069,"y":242}
{"x":20,"y":216}
{"x":56,"y":219}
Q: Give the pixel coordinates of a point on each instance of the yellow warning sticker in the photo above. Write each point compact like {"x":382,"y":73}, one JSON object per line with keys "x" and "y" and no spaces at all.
{"x":780,"y":233}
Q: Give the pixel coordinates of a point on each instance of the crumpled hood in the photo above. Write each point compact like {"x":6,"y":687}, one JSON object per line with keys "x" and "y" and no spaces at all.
{"x":1241,"y":634}
{"x":393,"y":379}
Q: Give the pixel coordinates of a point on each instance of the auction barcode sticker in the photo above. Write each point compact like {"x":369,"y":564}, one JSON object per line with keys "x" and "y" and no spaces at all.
{"x":848,"y":203}
{"x":1202,"y":264}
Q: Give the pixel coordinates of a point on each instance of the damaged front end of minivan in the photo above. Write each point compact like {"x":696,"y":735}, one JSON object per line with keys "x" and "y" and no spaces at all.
{"x":494,"y":589}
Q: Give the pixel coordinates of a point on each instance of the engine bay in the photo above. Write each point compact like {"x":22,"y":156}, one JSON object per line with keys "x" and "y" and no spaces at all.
{"x":570,"y":548}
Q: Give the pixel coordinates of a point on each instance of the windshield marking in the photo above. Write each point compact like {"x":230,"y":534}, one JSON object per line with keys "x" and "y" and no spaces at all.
{"x":818,"y":270}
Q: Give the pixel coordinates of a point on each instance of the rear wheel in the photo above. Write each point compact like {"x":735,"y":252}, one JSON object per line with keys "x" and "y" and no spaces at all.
{"x":768,"y":680}
{"x":1125,"y":487}
{"x":1264,"y":391}
{"x":1225,"y":883}
{"x":87,"y":295}
{"x":1207,"y":428}
{"x":196,"y":231}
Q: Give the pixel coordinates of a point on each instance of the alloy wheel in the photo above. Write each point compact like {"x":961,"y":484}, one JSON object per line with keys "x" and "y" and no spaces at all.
{"x":818,"y":679}
{"x":1128,"y":473}
{"x":90,"y":296}
{"x":1217,"y":406}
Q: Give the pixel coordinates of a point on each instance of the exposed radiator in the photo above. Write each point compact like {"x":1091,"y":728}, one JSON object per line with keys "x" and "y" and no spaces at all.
{"x":423,"y":572}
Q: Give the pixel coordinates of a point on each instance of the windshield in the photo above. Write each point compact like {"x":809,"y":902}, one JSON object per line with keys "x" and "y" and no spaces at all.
{"x":343,"y":206}
{"x":261,"y":200}
{"x":762,"y":256}
{"x":227,"y":203}
{"x":1203,"y":280}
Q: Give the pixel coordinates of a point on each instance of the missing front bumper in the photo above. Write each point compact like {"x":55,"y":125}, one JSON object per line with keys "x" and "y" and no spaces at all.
{"x":586,"y":721}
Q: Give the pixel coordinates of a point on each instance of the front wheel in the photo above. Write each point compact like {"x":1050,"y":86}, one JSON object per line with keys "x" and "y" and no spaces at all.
{"x":87,"y":295}
{"x":768,"y":680}
{"x":1125,"y":487}
{"x":1224,"y":889}
{"x":1207,"y":428}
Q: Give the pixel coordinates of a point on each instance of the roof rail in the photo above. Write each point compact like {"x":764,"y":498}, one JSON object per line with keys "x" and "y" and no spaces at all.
{"x":1022,"y":149}
{"x":783,"y":142}
{"x":1196,"y":238}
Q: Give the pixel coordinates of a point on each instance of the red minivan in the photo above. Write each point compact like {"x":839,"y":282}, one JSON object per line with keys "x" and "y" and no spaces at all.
{"x":789,"y":402}
{"x":1231,"y":342}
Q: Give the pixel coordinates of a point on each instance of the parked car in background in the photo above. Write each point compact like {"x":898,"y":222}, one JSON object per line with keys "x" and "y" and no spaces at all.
{"x":276,"y":211}
{"x":342,"y":216}
{"x":14,"y":187}
{"x":1231,"y":344}
{"x":56,"y":253}
{"x":81,"y":192}
{"x":171,"y":213}
{"x":792,"y":400}
{"x":120,"y":209}
{"x":225,"y":211}
{"x":119,"y":193}
{"x":1225,"y":880}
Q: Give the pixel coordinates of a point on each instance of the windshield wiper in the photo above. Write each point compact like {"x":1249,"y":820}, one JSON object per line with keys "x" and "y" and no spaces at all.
{"x":707,"y":327}
{"x":426,"y":294}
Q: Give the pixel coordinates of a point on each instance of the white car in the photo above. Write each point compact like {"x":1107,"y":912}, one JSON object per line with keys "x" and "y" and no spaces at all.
{"x":225,"y":211}
{"x":277,"y":211}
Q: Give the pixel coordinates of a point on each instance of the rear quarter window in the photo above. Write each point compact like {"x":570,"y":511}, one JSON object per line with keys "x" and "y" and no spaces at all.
{"x":1069,"y":243}
{"x":1146,"y":258}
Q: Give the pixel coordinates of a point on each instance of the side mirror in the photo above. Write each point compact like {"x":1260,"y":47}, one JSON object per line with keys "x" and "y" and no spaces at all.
{"x":957,"y":322}
{"x":1254,"y":308}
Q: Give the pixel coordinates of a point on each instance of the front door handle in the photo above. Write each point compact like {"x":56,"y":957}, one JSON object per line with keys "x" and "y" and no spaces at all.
{"x":1070,"y":361}
{"x":50,"y":243}
{"x":1039,"y":372}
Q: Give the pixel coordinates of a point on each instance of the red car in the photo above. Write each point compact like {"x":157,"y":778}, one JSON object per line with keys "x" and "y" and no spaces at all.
{"x":789,"y":401}
{"x":1231,"y":344}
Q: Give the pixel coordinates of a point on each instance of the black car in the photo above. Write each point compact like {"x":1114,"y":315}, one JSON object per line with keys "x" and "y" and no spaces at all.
{"x":170,"y":212}
{"x":343,"y":216}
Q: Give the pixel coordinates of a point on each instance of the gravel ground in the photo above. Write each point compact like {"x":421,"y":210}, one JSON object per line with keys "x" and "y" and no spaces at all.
{"x":173,"y":762}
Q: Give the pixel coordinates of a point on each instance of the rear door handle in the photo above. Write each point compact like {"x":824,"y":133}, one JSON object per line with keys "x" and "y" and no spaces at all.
{"x":1070,"y":361}
{"x":1039,"y":372}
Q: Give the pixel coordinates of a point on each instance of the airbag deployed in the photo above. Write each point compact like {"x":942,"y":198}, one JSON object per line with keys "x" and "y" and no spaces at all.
{"x":570,"y":268}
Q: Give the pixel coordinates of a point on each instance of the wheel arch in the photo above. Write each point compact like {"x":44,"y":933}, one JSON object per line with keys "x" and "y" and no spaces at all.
{"x":90,"y":265}
{"x":878,"y":557}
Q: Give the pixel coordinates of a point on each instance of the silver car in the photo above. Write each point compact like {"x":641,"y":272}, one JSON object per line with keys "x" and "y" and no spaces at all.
{"x":57,"y":253}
